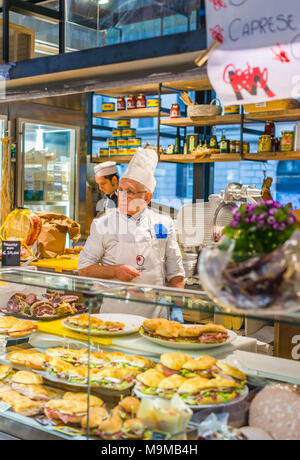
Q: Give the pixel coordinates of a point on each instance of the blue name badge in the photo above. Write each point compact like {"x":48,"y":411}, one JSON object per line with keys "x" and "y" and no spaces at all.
{"x":160,"y":231}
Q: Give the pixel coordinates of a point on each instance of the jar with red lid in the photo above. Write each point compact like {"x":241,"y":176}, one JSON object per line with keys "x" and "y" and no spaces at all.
{"x":141,"y":101}
{"x":121,"y":104}
{"x":175,"y":111}
{"x":131,"y":102}
{"x":270,"y":128}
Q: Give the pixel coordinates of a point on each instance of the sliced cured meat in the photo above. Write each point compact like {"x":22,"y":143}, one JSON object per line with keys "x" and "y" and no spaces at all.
{"x":30,"y":299}
{"x":168,"y":372}
{"x":80,"y":307}
{"x":43,"y":308}
{"x":276,"y":409}
{"x":13,"y":306}
{"x":70,"y":298}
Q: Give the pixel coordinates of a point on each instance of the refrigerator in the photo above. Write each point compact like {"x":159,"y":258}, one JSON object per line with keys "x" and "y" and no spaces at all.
{"x":48,"y":165}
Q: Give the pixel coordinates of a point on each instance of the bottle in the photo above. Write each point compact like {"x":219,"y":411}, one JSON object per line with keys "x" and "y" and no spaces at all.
{"x":205,"y":144}
{"x":177,"y":145}
{"x":213,"y":144}
{"x":223,"y":144}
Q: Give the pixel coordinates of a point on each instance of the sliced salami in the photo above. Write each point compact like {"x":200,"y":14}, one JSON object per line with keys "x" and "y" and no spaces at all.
{"x":70,"y":298}
{"x":43,"y":308}
{"x":30,"y":299}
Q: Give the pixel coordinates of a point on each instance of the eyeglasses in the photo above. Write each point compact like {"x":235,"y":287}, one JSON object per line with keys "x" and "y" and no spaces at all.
{"x":130,"y":193}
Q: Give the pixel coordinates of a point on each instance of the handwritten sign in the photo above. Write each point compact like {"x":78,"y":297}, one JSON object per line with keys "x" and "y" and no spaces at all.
{"x":11,"y":253}
{"x":259,"y":56}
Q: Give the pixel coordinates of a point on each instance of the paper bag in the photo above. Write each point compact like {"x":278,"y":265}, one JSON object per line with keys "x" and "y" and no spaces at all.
{"x":52,"y":239}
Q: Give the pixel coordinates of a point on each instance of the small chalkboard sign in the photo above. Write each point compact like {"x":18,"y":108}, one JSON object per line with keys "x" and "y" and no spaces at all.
{"x":11,"y":253}
{"x":160,"y":436}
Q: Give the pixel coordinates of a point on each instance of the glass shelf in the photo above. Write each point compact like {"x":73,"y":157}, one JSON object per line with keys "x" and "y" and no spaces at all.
{"x":96,"y":290}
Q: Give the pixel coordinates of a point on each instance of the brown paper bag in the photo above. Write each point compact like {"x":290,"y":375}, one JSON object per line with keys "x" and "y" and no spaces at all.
{"x":52,"y":239}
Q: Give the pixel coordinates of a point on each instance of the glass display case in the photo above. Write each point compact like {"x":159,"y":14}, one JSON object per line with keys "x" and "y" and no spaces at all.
{"x":80,"y":365}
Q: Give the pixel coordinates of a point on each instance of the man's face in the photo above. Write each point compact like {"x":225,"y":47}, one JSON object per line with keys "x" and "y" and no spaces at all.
{"x":106,"y":185}
{"x":133,"y":197}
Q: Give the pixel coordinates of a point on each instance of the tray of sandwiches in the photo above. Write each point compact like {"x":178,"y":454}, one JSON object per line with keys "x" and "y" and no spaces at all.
{"x":112,"y":371}
{"x":44,"y":307}
{"x":201,"y":383}
{"x":25,"y":397}
{"x":173,"y":334}
{"x":104,"y":324}
{"x":13,"y":328}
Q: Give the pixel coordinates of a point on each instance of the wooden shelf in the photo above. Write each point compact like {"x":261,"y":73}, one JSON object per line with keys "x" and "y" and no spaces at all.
{"x":117,"y":158}
{"x":225,"y":157}
{"x":134,"y":113}
{"x":275,"y":115}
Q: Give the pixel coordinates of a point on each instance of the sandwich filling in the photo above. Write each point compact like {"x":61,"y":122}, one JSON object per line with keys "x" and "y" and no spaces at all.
{"x":212,"y":393}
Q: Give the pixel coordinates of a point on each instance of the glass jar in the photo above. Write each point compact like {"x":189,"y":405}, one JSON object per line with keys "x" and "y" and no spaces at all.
{"x":264,"y":143}
{"x":232,"y":147}
{"x":175,"y":111}
{"x":287,"y":141}
{"x":131,"y":102}
{"x":246,"y":147}
{"x":121,"y":104}
{"x":237,"y":146}
{"x":141,"y":101}
{"x":270,"y":128}
{"x":213,"y":143}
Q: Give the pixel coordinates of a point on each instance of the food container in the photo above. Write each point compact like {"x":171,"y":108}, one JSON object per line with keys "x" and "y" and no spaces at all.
{"x":108,"y":107}
{"x":231,"y":109}
{"x":129,"y":132}
{"x":121,"y":142}
{"x":131,"y":102}
{"x":123,"y":151}
{"x":237,"y":146}
{"x":281,"y":104}
{"x":270,"y":128}
{"x":232,"y":147}
{"x":123,"y":123}
{"x":103,"y":152}
{"x":264,"y":143}
{"x":113,"y":151}
{"x":192,"y":141}
{"x":153,"y":103}
{"x":287,"y":141}
{"x":121,"y":104}
{"x":141,"y":101}
{"x":175,"y":111}
{"x":246,"y":147}
{"x":134,"y":142}
{"x":117,"y":133}
{"x":111,"y":142}
{"x":132,"y":150}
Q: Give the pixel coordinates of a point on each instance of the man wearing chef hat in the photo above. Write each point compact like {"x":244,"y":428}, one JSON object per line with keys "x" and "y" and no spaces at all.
{"x":133,"y":243}
{"x":106,"y":176}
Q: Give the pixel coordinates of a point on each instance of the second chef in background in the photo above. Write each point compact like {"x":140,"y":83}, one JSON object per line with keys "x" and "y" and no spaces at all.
{"x":133,"y":243}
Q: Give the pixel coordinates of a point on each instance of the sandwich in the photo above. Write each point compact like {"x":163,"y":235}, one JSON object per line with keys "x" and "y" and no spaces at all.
{"x":66,"y":371}
{"x":94,"y":401}
{"x":96,"y":416}
{"x":225,"y":371}
{"x":67,"y":354}
{"x":176,"y":332}
{"x":169,"y":386}
{"x":30,"y":384}
{"x":98,"y":359}
{"x":33,"y":359}
{"x":22,"y":404}
{"x":133,"y":362}
{"x":148,"y":382}
{"x":21,"y":328}
{"x":199,"y":391}
{"x":66,"y":411}
{"x":111,"y":428}
{"x":6,"y":374}
{"x":7,"y":322}
{"x":114,"y":378}
{"x":128,"y":407}
{"x":200,"y":367}
{"x":96,"y":324}
{"x":133,"y":428}
{"x":171,"y":363}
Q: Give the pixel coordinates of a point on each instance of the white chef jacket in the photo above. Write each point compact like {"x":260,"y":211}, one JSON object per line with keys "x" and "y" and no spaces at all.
{"x":147,"y":243}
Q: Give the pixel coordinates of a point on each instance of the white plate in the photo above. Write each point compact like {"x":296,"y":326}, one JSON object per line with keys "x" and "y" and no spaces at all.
{"x":188,"y":345}
{"x":10,"y":337}
{"x":132,"y":324}
{"x":243,"y":395}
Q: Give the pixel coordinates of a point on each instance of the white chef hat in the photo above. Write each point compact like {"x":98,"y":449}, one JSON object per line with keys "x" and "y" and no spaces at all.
{"x":105,"y":169}
{"x":142,"y":167}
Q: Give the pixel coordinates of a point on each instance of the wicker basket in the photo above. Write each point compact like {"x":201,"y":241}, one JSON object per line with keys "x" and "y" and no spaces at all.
{"x":204,"y":110}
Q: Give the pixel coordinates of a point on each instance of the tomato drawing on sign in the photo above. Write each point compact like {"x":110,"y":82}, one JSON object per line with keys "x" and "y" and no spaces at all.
{"x":218,"y":4}
{"x":217,"y":33}
{"x":250,"y":80}
{"x":281,"y":53}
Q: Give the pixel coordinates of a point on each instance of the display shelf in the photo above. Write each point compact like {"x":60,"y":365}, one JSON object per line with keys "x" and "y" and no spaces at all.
{"x":210,"y":158}
{"x":117,"y":158}
{"x":275,"y":115}
{"x":149,"y":112}
{"x":280,"y":156}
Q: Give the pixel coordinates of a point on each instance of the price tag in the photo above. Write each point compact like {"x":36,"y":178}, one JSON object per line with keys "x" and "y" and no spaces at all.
{"x":69,"y":431}
{"x":4,"y":407}
{"x":11,"y":251}
{"x":160,"y":436}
